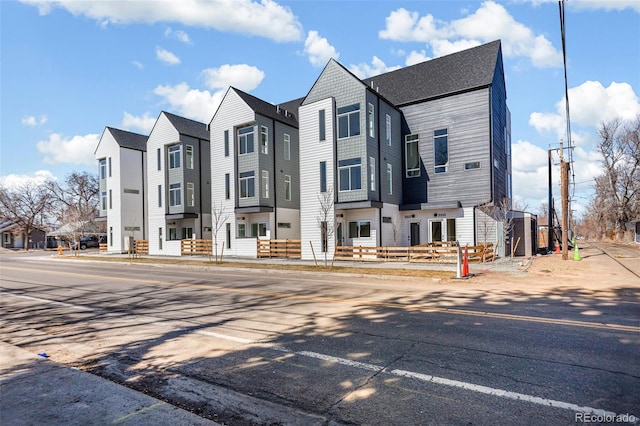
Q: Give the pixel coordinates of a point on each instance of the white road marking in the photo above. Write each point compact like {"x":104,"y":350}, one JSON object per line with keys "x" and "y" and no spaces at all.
{"x":51,"y":302}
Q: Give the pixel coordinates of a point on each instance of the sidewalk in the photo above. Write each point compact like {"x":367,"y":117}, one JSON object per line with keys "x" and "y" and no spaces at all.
{"x":37,"y":391}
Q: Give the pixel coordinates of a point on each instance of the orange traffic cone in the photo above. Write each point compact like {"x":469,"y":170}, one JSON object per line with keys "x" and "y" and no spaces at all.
{"x":557,"y":247}
{"x":465,"y":263}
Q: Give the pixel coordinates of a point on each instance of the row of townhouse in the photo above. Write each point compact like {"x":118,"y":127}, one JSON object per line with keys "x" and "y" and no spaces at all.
{"x":398,"y":159}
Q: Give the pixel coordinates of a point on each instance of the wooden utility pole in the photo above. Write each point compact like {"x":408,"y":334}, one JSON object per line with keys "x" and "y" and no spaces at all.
{"x":564,"y":190}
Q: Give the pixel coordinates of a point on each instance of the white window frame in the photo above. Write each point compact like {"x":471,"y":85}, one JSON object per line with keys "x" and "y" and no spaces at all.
{"x":191,"y":194}
{"x":287,"y":187}
{"x":175,"y":152}
{"x":287,"y":146}
{"x":388,"y":129}
{"x":372,"y":173}
{"x":189,"y":157}
{"x":258,"y":229}
{"x":103,"y":168}
{"x":352,"y":171}
{"x":243,"y":140}
{"x":265,"y":184}
{"x":103,"y":197}
{"x":411,"y":140}
{"x":358,"y":226}
{"x":175,"y":194}
{"x":389,"y":179}
{"x":264,"y":139}
{"x":440,"y":168}
{"x":246,"y":183}
{"x":348,"y":111}
{"x":371,"y":119}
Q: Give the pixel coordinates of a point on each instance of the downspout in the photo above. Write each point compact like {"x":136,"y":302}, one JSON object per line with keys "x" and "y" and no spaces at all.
{"x":200,"y":176}
{"x":144,"y":198}
{"x":379,"y":243}
{"x":275,"y":185}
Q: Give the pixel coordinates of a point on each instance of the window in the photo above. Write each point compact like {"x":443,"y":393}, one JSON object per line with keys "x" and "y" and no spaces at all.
{"x":111,"y":236}
{"x":287,"y":187}
{"x":174,"y":156}
{"x":175,"y":194}
{"x":472,"y":165}
{"x":349,"y":174}
{"x":285,"y":225}
{"x":103,"y":197}
{"x":173,"y":234}
{"x":189,"y":157}
{"x":287,"y":146}
{"x":187,"y":233}
{"x":451,"y":230}
{"x":441,"y":150}
{"x":226,"y":143}
{"x":159,"y":195}
{"x":322,"y":125}
{"x":103,"y":169}
{"x":412,"y":158}
{"x":110,"y":199}
{"x":227,"y":186}
{"x":228,"y":232}
{"x":264,"y":140}
{"x":370,"y":119}
{"x":159,"y":159}
{"x":372,"y":173}
{"x":389,"y":179}
{"x":265,"y":184}
{"x":109,"y":166}
{"x":160,"y":238}
{"x":323,"y":176}
{"x":360,"y":229}
{"x":241,"y":230}
{"x":348,"y":121}
{"x":258,"y":230}
{"x":191,"y":195}
{"x":388,"y":129}
{"x":245,"y":140}
{"x":131,"y":191}
{"x":247,"y":185}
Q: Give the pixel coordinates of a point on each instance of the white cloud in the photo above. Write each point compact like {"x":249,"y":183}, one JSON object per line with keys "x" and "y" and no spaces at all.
{"x":594,"y":4}
{"x":376,"y":67}
{"x":30,"y":120}
{"x":137,"y":64}
{"x":191,"y":103}
{"x":77,"y":150}
{"x":244,"y":77}
{"x":142,"y":124}
{"x":265,"y":18}
{"x":590,"y":104}
{"x":166,"y":56}
{"x":491,"y":21}
{"x":319,"y":50}
{"x":178,"y":34}
{"x":415,"y":57}
{"x":16,"y":181}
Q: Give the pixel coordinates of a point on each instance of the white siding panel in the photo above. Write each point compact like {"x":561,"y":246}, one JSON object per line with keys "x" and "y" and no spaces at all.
{"x":292,"y":217}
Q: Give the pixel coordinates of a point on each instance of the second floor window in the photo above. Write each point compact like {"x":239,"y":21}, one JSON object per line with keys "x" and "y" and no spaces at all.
{"x":371,"y":120}
{"x":103,"y":197}
{"x":412,"y":157}
{"x":245,"y":140}
{"x":265,"y":184}
{"x":350,"y":174}
{"x":103,"y":168}
{"x":191,"y":195}
{"x":441,"y":150}
{"x":287,"y":187}
{"x":388,"y":129}
{"x":247,"y":185}
{"x":349,"y":121}
{"x":372,"y":173}
{"x":175,"y":152}
{"x":323,"y":176}
{"x":175,"y":194}
{"x":227,"y":186}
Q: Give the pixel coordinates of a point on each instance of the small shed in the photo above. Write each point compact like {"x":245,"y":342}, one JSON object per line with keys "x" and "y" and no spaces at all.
{"x":523,"y":240}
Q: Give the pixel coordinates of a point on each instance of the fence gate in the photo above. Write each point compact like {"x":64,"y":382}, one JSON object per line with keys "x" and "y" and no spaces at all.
{"x":279,"y":248}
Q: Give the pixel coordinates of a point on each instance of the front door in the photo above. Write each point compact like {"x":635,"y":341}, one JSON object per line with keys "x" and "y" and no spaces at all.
{"x":339,"y":232}
{"x":436,"y":231}
{"x":415,"y":233}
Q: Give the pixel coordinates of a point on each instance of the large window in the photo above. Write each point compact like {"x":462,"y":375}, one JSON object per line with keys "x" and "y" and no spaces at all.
{"x":389,"y":179}
{"x":174,"y":156}
{"x":287,"y":146}
{"x":388,"y":129}
{"x":441,"y":150}
{"x":349,"y":121}
{"x":191,"y":195}
{"x":265,"y":184}
{"x":323,"y":176}
{"x":372,"y":173}
{"x":258,"y":230}
{"x":412,"y":158}
{"x":175,"y":194}
{"x":247,"y":185}
{"x":245,"y":140}
{"x":287,"y":187}
{"x":103,"y":168}
{"x":264,"y":140}
{"x":349,"y":174}
{"x":360,"y":229}
{"x":371,"y":120}
{"x":189,"y":157}
{"x":322,"y":125}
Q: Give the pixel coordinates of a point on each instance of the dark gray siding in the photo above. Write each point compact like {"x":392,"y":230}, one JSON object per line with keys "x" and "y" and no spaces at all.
{"x":289,"y":167}
{"x":498,"y":126}
{"x":390,"y":154}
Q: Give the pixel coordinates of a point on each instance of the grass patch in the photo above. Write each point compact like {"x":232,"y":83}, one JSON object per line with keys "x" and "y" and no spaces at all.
{"x":386,"y":271}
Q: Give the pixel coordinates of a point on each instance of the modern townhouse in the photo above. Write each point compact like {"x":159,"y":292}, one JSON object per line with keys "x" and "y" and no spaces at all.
{"x":178,"y":183}
{"x":121,"y":159}
{"x":255,"y":172}
{"x":407,"y":156}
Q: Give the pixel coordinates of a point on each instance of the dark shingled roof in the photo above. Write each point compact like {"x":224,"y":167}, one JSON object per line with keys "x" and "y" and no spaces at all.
{"x":129,"y":139}
{"x":188,"y":127}
{"x":455,"y":73}
{"x":272,"y":111}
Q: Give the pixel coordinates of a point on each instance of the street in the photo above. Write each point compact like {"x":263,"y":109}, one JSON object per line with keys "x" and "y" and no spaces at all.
{"x":265,"y":347}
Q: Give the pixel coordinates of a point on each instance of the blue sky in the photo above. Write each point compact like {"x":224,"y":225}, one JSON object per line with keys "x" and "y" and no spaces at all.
{"x":70,"y":68}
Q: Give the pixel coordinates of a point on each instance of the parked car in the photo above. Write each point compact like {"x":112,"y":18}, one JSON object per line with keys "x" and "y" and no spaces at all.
{"x":87,"y":242}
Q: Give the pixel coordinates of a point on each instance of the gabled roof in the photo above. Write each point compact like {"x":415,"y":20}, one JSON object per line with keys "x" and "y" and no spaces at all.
{"x":444,"y":76}
{"x":188,"y":127}
{"x":129,"y":139}
{"x":286,"y":115}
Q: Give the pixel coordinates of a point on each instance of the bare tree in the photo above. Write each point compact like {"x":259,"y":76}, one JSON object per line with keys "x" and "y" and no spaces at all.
{"x":26,"y":205}
{"x":77,"y":200}
{"x":219,"y":217}
{"x":326,"y":220}
{"x":618,"y":189}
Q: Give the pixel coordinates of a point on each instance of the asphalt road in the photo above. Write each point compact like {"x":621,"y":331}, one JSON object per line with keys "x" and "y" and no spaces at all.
{"x":258,"y":347}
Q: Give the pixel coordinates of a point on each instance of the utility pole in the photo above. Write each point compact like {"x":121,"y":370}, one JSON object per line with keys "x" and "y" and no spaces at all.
{"x":564,"y":195}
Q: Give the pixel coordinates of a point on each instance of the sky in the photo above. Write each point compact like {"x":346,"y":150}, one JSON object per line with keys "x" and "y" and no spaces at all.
{"x":68,"y":68}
